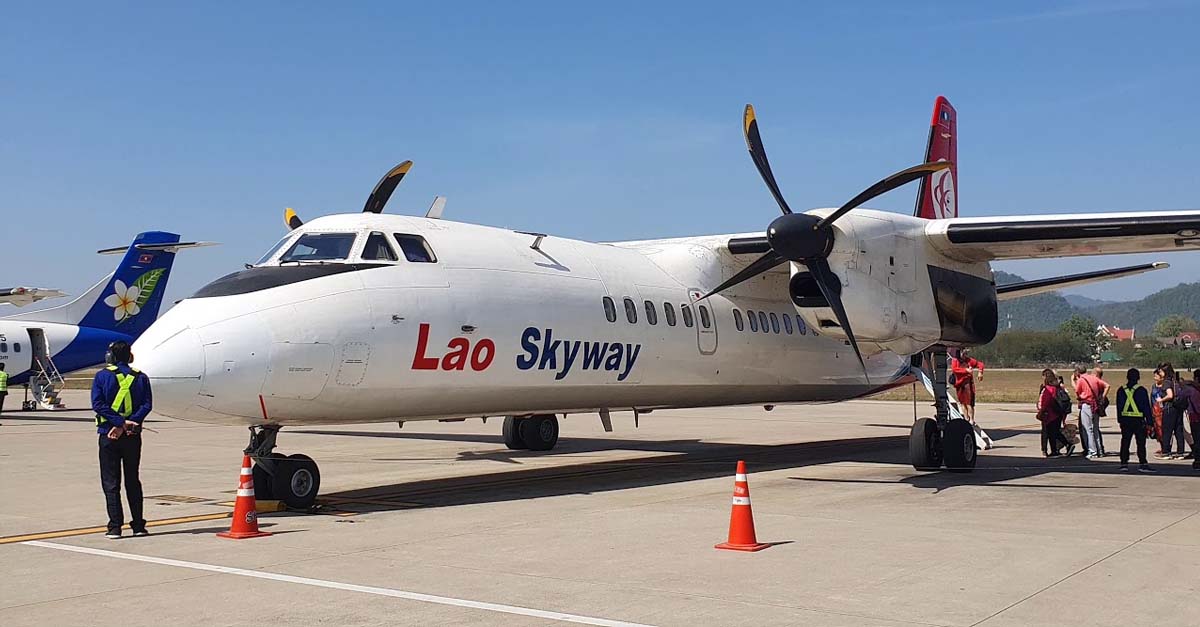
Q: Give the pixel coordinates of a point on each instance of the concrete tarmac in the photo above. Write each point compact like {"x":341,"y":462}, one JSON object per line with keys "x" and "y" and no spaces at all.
{"x":440,"y":524}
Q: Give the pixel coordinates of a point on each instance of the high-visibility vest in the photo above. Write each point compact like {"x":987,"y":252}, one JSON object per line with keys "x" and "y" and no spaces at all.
{"x":1131,"y":409}
{"x":123,"y":403}
{"x":3,"y":381}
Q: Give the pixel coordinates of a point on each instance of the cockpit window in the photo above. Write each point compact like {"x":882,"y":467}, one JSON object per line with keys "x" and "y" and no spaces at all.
{"x":415,"y":248}
{"x":320,"y":247}
{"x":274,"y":249}
{"x":378,"y":249}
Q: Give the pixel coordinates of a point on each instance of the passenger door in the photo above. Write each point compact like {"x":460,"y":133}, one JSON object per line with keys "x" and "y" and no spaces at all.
{"x":706,"y":322}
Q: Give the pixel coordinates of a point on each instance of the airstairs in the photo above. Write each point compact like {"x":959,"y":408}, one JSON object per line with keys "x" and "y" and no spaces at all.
{"x":46,"y":382}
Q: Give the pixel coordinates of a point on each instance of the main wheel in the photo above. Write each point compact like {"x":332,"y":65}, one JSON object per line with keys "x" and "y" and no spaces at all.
{"x":924,"y":445}
{"x":958,"y":446}
{"x":264,"y":483}
{"x":512,"y":433}
{"x":540,"y":432}
{"x":296,"y":481}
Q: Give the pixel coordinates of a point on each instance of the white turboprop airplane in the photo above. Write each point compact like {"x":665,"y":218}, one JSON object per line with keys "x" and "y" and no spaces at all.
{"x":366,"y":317}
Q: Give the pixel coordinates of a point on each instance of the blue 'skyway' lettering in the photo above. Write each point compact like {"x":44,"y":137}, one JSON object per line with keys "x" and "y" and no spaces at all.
{"x":543,"y":354}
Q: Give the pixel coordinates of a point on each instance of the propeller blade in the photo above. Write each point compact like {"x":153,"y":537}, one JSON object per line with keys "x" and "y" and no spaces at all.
{"x":757,"y":267}
{"x":759,"y":155}
{"x":886,"y":185}
{"x":292,"y":220}
{"x":831,"y":289}
{"x":384,"y":188}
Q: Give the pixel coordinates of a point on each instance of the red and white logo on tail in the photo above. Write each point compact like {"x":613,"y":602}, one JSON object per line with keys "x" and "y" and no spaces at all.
{"x":938,"y":196}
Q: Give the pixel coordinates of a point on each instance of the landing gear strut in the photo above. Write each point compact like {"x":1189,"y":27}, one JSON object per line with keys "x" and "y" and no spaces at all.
{"x":535,"y":433}
{"x":942,"y":440}
{"x":293,"y":479}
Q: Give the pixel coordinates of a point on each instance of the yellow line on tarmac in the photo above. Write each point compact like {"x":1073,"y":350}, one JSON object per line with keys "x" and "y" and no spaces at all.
{"x":46,"y":535}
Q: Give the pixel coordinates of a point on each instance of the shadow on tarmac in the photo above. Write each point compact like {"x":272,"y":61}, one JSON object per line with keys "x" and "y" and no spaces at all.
{"x":692,"y":460}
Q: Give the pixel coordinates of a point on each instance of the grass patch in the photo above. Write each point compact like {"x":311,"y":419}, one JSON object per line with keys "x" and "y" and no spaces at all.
{"x":997,"y":386}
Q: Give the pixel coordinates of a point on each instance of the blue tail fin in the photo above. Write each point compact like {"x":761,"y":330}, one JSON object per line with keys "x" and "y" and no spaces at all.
{"x":130,"y":299}
{"x":126,"y":301}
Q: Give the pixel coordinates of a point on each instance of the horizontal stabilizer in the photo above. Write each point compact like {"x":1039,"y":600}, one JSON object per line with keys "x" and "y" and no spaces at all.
{"x":167,"y":248}
{"x":1039,"y":286}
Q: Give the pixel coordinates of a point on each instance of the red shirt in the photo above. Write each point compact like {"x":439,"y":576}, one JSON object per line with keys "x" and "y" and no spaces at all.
{"x":1047,"y":407}
{"x":962,"y":370}
{"x":1089,"y":389}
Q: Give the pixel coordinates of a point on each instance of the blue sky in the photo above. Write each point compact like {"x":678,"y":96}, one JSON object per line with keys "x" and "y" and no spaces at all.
{"x":602,"y":121}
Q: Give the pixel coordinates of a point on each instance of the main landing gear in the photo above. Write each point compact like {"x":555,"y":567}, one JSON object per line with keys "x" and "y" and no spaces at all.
{"x":941,"y":440}
{"x":538,"y":432}
{"x":293,"y":479}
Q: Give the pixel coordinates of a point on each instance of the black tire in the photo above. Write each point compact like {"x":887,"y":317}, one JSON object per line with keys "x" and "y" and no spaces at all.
{"x":264,"y":483}
{"x":512,"y":433}
{"x":540,"y":432}
{"x":958,"y":446}
{"x":297,"y":481}
{"x":924,"y":445}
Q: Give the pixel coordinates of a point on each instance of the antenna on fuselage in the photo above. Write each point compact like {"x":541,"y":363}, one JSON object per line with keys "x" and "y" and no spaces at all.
{"x":436,"y":209}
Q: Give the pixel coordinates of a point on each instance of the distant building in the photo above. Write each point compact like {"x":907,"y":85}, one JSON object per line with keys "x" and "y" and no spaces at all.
{"x":1114,"y":333}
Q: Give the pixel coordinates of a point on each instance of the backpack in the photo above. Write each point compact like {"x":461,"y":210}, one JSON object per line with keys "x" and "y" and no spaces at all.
{"x":1180,"y":402}
{"x":1062,"y":400}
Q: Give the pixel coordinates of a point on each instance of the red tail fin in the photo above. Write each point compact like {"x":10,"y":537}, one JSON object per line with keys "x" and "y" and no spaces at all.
{"x":938,"y":197}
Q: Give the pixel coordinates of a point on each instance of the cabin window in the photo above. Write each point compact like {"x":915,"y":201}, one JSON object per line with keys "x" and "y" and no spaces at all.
{"x":3,"y":347}
{"x":687,"y":316}
{"x":16,"y":347}
{"x":705,"y":319}
{"x":752,"y":320}
{"x":415,"y":248}
{"x":762,"y":322}
{"x":787,"y":324}
{"x":775,"y":323}
{"x":737,"y":320}
{"x":274,"y":249}
{"x":378,"y":249}
{"x":610,"y":309}
{"x":669,"y":312}
{"x":320,"y":247}
{"x":651,"y":313}
{"x":630,"y":311}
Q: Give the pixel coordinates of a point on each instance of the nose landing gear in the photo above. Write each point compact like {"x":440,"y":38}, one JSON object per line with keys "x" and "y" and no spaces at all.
{"x":294,"y":479}
{"x":942,"y":440}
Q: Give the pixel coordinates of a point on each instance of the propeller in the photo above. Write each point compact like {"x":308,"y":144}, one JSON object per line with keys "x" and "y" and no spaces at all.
{"x":292,"y":220}
{"x":384,"y":188}
{"x":375,"y":202}
{"x":808,"y":239}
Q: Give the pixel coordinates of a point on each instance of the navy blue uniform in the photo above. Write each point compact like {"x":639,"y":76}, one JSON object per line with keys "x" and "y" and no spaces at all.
{"x":1133,"y":410}
{"x":125,"y":452}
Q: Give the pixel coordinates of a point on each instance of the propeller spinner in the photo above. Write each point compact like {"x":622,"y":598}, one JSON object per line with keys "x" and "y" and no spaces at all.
{"x":808,"y":239}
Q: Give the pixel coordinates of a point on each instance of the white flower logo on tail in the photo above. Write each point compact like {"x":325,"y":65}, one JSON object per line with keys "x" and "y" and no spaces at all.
{"x":123,"y":300}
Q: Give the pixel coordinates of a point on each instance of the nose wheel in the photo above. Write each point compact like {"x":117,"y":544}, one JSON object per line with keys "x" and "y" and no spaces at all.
{"x":938,"y":441}
{"x":294,"y":479}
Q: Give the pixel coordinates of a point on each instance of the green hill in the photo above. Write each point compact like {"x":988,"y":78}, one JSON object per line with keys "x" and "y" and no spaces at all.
{"x":1045,"y":312}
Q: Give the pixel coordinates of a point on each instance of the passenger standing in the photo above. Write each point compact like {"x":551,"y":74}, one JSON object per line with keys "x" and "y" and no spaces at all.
{"x":1051,"y":415}
{"x":963,"y":366}
{"x":1172,"y":411}
{"x":1133,"y":406}
{"x":1194,"y":414}
{"x":1156,"y":395}
{"x":1102,"y":406}
{"x":1089,"y":390}
{"x":121,"y":399}
{"x":3,"y":386}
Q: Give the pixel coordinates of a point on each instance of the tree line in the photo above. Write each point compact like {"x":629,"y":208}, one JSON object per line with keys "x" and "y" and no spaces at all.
{"x":1075,"y":341}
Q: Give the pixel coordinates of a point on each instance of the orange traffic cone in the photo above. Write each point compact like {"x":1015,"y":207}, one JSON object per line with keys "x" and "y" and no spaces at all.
{"x":741,"y":520}
{"x":245,"y":516}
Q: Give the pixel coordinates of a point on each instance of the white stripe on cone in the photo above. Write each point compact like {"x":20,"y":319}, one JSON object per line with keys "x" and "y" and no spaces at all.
{"x":247,"y":471}
{"x":242,"y":492}
{"x":741,"y":500}
{"x":739,"y":477}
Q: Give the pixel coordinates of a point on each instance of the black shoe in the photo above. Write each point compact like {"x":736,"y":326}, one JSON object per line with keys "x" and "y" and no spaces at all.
{"x":1124,"y":468}
{"x":1054,"y":455}
{"x":141,"y":533}
{"x":1070,"y":450}
{"x":113,"y":535}
{"x":1145,"y":468}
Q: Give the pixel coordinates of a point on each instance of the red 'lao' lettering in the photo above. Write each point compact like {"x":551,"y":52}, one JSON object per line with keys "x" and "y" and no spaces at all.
{"x":457,"y":357}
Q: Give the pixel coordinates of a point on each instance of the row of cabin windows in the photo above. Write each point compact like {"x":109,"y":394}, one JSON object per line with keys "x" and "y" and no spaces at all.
{"x":4,"y":347}
{"x":760,"y":322}
{"x":631,"y":313}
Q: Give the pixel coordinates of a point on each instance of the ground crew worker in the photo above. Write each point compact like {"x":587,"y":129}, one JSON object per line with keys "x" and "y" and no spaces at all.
{"x":1133,"y":408}
{"x":121,"y":399}
{"x":3,"y":386}
{"x":963,"y":368}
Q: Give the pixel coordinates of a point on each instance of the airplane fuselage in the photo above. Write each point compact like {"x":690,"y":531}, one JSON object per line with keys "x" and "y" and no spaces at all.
{"x":494,"y":327}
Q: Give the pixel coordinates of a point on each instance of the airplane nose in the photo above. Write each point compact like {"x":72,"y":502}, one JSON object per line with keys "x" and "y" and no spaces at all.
{"x":175,"y":366}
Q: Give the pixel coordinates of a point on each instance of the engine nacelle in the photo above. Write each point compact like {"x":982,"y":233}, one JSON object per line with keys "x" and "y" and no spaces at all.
{"x":900,"y":295}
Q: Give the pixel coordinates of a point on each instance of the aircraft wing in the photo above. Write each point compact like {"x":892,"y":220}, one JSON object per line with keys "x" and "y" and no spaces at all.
{"x":1072,"y":235}
{"x":21,"y":296}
